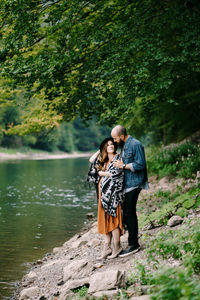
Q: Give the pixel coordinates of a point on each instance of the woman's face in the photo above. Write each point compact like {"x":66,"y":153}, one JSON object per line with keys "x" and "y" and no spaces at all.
{"x":110,"y":147}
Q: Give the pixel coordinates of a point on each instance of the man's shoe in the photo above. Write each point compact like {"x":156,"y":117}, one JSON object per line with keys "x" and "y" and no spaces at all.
{"x":130,"y":250}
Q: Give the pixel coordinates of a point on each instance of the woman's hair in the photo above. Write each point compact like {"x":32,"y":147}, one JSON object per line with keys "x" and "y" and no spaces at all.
{"x":103,"y":155}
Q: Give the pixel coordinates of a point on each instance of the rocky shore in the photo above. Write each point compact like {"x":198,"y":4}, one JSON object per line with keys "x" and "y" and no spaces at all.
{"x":75,"y":264}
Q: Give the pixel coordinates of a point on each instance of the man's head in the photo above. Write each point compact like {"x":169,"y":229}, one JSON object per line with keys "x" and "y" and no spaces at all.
{"x":119,"y":135}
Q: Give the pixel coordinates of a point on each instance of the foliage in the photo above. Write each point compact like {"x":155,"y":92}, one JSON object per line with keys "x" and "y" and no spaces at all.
{"x":67,"y":137}
{"x":171,"y":282}
{"x":182,"y":244}
{"x":81,"y":291}
{"x":123,"y":61}
{"x":182,"y":160}
{"x":178,"y":205}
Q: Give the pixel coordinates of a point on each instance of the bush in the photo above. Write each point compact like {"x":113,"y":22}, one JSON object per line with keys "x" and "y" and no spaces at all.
{"x":182,"y":244}
{"x":171,"y":283}
{"x":182,"y":160}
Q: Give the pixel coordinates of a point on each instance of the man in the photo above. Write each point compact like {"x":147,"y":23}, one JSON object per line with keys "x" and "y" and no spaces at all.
{"x":134,"y":164}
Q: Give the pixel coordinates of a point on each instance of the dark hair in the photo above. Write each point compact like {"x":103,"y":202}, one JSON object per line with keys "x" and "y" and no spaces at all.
{"x":103,"y":156}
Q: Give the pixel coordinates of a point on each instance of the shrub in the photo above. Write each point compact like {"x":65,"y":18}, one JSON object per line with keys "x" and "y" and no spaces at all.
{"x":182,"y":160}
{"x":182,"y":244}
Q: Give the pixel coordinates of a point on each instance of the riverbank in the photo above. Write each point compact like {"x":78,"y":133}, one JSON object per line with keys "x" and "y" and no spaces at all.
{"x":40,"y":155}
{"x":73,"y":270}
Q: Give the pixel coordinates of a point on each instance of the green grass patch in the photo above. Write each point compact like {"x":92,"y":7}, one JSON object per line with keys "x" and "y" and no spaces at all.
{"x":178,"y":205}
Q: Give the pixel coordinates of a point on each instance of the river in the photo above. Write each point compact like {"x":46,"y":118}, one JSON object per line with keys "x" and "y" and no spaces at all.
{"x":42,"y":204}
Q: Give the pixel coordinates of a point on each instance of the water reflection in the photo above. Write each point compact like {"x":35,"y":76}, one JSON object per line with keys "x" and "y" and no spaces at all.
{"x":42,"y":204}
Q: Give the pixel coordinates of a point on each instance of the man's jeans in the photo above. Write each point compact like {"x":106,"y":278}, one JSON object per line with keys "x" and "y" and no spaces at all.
{"x":130,"y":216}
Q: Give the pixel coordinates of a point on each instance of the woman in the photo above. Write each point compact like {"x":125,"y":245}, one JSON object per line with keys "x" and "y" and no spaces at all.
{"x":109,"y":192}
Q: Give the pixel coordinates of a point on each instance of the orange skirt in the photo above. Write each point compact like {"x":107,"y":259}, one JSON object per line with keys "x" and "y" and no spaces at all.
{"x":107,"y":223}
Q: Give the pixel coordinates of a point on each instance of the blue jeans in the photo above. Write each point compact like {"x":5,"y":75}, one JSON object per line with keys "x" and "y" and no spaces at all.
{"x":130,"y":216}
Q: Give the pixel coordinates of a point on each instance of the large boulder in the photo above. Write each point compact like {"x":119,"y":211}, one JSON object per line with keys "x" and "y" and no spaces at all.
{"x":74,"y":270}
{"x":72,"y":284}
{"x":107,"y":280}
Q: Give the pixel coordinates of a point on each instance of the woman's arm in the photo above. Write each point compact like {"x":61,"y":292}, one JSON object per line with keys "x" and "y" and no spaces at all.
{"x":102,"y":173}
{"x":94,"y":156}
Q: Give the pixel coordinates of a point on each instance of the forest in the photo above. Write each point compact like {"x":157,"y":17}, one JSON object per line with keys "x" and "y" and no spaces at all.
{"x":68,"y":63}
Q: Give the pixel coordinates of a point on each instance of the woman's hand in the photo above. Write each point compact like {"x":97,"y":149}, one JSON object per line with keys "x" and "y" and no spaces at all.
{"x":102,"y":173}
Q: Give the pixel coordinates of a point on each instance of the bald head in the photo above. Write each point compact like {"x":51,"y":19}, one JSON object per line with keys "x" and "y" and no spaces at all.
{"x":119,"y":135}
{"x":119,"y":130}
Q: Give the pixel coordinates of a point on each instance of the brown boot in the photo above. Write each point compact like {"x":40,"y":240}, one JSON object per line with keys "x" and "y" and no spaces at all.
{"x":116,"y":251}
{"x":106,"y":251}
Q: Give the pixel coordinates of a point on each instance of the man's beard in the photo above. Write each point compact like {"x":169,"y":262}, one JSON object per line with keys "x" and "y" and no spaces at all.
{"x":121,"y":143}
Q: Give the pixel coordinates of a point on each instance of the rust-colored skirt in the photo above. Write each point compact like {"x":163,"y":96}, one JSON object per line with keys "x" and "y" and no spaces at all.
{"x":107,"y":223}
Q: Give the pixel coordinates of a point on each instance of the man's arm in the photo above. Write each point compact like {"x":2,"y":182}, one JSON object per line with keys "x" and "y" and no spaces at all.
{"x":139,"y":162}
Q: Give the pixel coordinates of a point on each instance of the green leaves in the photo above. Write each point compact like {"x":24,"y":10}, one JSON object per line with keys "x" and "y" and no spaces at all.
{"x":98,"y":57}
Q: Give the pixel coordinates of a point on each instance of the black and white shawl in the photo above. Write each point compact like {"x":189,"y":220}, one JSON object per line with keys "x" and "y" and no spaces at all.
{"x":111,"y":187}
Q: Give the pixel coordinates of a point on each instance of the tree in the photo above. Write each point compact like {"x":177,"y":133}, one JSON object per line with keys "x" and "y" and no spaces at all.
{"x":111,"y":58}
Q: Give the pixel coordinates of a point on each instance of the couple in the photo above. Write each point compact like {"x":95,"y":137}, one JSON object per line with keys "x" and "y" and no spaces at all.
{"x":116,"y":175}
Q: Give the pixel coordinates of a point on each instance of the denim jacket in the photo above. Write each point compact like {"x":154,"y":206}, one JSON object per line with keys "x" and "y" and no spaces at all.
{"x":133,"y":154}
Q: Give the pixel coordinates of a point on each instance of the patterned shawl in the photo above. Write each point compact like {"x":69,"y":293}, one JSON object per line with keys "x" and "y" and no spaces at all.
{"x":111,"y":186}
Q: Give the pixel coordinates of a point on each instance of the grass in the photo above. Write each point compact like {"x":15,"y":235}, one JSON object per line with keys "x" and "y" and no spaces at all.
{"x":172,"y":264}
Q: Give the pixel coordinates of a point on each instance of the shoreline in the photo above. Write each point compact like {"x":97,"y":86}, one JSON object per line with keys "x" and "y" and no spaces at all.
{"x":75,"y":265}
{"x":41,"y":155}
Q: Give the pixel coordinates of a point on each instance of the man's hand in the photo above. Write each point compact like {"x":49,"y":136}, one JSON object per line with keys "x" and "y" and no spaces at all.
{"x":118,"y":164}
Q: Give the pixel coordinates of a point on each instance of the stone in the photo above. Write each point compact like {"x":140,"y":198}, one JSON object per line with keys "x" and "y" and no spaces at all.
{"x":107,"y":280}
{"x":78,"y":243}
{"x":144,"y":297}
{"x":57,"y":250}
{"x":70,"y":241}
{"x":110,"y":293}
{"x":90,"y":216}
{"x":29,"y":293}
{"x":94,"y":242}
{"x":175,"y":220}
{"x":72,"y":284}
{"x":55,"y":266}
{"x":144,"y":289}
{"x":30,"y":277}
{"x":74,"y":269}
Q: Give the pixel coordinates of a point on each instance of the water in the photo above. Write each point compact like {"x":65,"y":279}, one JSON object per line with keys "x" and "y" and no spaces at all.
{"x":42,"y":204}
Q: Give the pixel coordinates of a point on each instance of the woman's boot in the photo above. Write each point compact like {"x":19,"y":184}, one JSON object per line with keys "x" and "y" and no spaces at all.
{"x":116,"y":250}
{"x":106,"y":251}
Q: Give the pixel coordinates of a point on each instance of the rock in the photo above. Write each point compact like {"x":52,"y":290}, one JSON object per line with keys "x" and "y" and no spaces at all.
{"x":73,"y":284}
{"x":29,"y":293}
{"x":144,"y":289}
{"x":144,"y":297}
{"x":53,"y":267}
{"x":57,"y":250}
{"x":94,"y":243}
{"x":78,"y":243}
{"x":175,"y":220}
{"x":107,"y":280}
{"x":111,"y":293}
{"x":70,"y":241}
{"x":90,"y":216}
{"x":74,"y":269}
{"x":30,"y":277}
